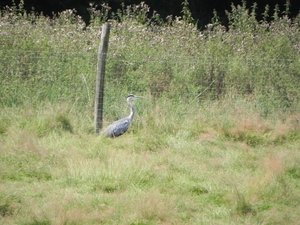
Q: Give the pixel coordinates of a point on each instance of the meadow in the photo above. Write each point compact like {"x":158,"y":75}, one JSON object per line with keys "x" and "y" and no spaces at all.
{"x":215,"y":140}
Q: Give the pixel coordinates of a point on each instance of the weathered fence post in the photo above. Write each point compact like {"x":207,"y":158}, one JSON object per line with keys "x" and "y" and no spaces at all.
{"x":100,"y":78}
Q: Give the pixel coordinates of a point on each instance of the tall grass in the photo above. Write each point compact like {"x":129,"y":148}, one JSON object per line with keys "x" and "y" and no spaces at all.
{"x":215,"y":141}
{"x":221,"y":165}
{"x":253,"y":59}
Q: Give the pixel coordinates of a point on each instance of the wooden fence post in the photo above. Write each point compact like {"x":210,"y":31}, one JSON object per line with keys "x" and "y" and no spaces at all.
{"x":100,"y":78}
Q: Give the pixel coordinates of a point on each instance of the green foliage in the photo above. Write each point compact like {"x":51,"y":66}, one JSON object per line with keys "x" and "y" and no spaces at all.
{"x":149,"y":56}
{"x":137,"y":13}
{"x":169,"y":166}
{"x":198,"y":190}
{"x":186,"y":13}
{"x":4,"y":123}
{"x":243,"y":207}
{"x":294,"y":173}
{"x":25,"y":166}
{"x":98,"y":17}
{"x":220,"y":111}
{"x":37,"y":221}
{"x":64,"y":123}
{"x":5,"y":210}
{"x":265,"y":14}
{"x":44,"y":125}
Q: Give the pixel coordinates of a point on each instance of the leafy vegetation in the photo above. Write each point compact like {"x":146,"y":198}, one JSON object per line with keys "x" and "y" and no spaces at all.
{"x":215,"y":141}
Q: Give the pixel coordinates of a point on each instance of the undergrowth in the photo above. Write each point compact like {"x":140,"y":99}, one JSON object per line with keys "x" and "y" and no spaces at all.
{"x":255,"y":60}
{"x":214,"y":141}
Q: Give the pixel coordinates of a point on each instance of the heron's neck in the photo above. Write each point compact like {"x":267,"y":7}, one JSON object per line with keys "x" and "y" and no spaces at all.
{"x":132,"y":110}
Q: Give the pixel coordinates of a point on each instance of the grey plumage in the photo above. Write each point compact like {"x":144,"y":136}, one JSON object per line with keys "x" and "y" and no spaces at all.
{"x":120,"y":126}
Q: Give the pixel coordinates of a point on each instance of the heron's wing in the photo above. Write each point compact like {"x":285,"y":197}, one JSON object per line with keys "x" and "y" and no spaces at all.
{"x":118,"y":127}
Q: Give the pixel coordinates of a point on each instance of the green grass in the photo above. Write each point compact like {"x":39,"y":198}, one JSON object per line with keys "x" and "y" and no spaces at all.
{"x":253,"y":59}
{"x":215,"y":140}
{"x":198,"y":171}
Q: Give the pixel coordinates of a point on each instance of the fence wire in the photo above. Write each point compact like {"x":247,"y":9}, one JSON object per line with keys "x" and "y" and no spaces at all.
{"x":33,"y":77}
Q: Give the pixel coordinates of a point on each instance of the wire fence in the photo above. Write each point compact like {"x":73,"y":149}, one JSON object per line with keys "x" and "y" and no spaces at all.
{"x":63,"y":77}
{"x":34,"y":77}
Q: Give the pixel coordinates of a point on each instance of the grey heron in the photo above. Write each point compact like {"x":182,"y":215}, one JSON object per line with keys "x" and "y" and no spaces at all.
{"x":120,"y":126}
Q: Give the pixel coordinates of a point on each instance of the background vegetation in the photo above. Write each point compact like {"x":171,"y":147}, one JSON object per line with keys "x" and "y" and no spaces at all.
{"x":201,"y":10}
{"x":215,"y":141}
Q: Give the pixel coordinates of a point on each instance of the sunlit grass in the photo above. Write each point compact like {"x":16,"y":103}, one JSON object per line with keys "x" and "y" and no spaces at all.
{"x":214,"y":141}
{"x":197,"y":172}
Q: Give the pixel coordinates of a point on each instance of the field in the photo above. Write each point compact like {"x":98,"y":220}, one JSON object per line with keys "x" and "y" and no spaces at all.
{"x":215,"y":140}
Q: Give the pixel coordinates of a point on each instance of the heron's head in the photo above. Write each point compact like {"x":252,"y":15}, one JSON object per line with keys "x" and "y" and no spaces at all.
{"x":132,"y":97}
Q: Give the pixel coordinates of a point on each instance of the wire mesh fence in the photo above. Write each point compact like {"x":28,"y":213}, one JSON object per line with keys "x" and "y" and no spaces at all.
{"x":34,"y":77}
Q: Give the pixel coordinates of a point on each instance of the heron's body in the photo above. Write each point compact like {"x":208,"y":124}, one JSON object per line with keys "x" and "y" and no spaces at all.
{"x":120,"y":126}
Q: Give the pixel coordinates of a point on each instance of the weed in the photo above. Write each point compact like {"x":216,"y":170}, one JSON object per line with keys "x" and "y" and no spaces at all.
{"x":293,"y":172}
{"x":64,"y":123}
{"x":198,"y":190}
{"x":5,"y":210}
{"x":243,"y":207}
